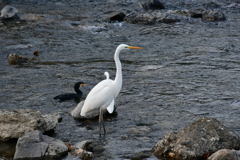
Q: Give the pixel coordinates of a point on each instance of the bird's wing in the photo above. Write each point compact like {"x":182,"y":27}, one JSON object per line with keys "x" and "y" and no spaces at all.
{"x":110,"y":108}
{"x":100,"y":86}
{"x":100,"y":96}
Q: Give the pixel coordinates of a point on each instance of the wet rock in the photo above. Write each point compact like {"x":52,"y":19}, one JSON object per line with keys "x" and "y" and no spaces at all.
{"x":213,"y":16}
{"x":225,"y":154}
{"x":89,"y":115}
{"x":17,"y":123}
{"x":15,"y":59}
{"x":198,"y":139}
{"x":83,"y":150}
{"x":35,"y":145}
{"x":115,"y":16}
{"x":152,"y":4}
{"x":196,"y":13}
{"x":9,"y":12}
{"x":151,"y":18}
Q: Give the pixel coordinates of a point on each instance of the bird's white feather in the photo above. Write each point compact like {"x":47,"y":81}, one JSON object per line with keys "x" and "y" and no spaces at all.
{"x":110,"y":108}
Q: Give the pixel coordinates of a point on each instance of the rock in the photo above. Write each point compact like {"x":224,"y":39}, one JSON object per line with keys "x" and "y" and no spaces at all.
{"x":196,"y":13}
{"x":89,"y":115}
{"x":15,"y":59}
{"x":35,"y":145}
{"x":213,"y":16}
{"x":83,"y":150}
{"x":152,"y":4}
{"x":151,"y":18}
{"x":9,"y":12}
{"x":17,"y":123}
{"x":196,"y":141}
{"x":225,"y":154}
{"x":115,"y":16}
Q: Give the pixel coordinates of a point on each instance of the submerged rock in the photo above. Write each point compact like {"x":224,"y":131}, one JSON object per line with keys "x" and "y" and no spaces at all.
{"x":15,"y":59}
{"x":151,"y":18}
{"x":225,"y":154}
{"x":17,"y":123}
{"x":9,"y":12}
{"x":115,"y":17}
{"x":152,"y":4}
{"x":200,"y":138}
{"x":35,"y":145}
{"x":213,"y":16}
{"x":90,"y":114}
{"x":83,"y":150}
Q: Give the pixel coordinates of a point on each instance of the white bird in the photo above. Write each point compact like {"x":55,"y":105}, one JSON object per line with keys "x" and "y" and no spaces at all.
{"x":106,"y":74}
{"x":103,"y":95}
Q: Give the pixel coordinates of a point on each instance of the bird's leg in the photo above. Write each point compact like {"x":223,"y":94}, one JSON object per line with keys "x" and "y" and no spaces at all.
{"x":101,"y":122}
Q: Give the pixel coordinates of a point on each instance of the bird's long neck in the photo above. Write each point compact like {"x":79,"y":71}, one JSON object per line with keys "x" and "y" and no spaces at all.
{"x":77,"y":90}
{"x":118,"y":78}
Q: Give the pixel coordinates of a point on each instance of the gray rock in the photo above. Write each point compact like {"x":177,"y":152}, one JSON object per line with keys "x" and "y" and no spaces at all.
{"x":115,"y":16}
{"x":151,"y":17}
{"x":17,"y":123}
{"x":35,"y":145}
{"x":9,"y":12}
{"x":211,"y":15}
{"x":198,"y":139}
{"x":83,"y":150}
{"x":225,"y":154}
{"x":152,"y":4}
{"x":90,"y":114}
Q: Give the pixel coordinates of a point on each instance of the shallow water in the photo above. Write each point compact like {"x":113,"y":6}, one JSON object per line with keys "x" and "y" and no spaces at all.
{"x":185,"y":70}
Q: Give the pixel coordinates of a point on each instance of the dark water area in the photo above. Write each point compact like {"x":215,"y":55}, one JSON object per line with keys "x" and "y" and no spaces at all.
{"x":186,"y":70}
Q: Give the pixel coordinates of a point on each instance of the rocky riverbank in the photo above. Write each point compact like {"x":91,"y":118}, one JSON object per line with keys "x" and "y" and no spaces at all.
{"x":188,"y":69}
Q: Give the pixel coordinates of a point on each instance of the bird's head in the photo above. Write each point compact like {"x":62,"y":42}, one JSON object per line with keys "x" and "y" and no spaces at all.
{"x":124,"y":46}
{"x":80,"y":84}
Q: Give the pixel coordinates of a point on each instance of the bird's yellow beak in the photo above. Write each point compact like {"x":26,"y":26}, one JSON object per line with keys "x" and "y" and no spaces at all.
{"x":132,"y":47}
{"x":83,"y":84}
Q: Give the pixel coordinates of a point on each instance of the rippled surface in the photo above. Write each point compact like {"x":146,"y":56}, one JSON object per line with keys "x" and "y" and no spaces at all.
{"x":185,"y":71}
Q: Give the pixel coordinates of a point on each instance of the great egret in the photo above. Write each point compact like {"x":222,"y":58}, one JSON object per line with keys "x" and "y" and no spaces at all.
{"x":106,"y":74}
{"x":76,"y":96}
{"x":103,"y":95}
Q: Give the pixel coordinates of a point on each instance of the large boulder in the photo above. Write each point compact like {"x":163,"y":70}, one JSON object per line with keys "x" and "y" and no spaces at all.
{"x":225,"y":154}
{"x":197,"y":141}
{"x":89,"y":115}
{"x":35,"y":145}
{"x":17,"y":123}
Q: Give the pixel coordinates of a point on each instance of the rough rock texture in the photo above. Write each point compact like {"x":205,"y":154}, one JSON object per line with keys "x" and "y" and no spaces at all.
{"x":35,"y":145}
{"x":17,"y":123}
{"x":213,"y":16}
{"x":151,"y":17}
{"x":152,"y":4}
{"x":225,"y":154}
{"x":9,"y":12}
{"x":83,"y":150}
{"x":90,"y":114}
{"x":196,"y":141}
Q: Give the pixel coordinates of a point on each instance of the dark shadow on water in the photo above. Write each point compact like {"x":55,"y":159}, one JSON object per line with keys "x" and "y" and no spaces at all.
{"x":7,"y":149}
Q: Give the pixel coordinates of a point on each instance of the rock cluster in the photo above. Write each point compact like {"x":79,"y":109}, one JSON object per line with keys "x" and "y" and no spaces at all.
{"x":35,"y":145}
{"x":17,"y":123}
{"x":197,"y":141}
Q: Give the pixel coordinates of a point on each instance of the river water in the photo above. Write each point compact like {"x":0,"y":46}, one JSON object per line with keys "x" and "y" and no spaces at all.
{"x":186,"y":70}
